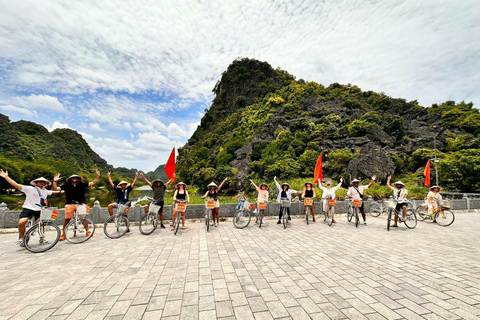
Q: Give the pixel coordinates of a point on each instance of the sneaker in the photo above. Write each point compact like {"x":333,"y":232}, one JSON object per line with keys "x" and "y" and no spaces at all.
{"x":19,"y":242}
{"x":162,"y":226}
{"x":42,"y":240}
{"x":255,"y":211}
{"x":62,"y":237}
{"x":88,"y":234}
{"x":22,"y":244}
{"x":279,"y":222}
{"x":313,"y":219}
{"x":289,"y":218}
{"x":263,"y":221}
{"x":365,"y":223}
{"x":128,"y":229}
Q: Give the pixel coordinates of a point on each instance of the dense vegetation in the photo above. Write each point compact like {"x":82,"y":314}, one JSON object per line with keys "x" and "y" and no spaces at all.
{"x":264,"y":123}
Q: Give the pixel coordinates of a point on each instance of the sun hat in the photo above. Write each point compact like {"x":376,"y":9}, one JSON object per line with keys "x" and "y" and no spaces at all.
{"x":40,"y":179}
{"x":436,"y":187}
{"x":308,"y":183}
{"x":399,"y":182}
{"x":123,"y":182}
{"x":181,"y":183}
{"x":355,"y":180}
{"x":212,"y":184}
{"x":158,"y":180}
{"x":285,"y":184}
{"x":74,"y":176}
{"x":264,"y":184}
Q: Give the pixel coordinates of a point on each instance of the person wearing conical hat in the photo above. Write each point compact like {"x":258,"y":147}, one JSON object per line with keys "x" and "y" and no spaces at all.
{"x":35,"y":197}
{"x":284,"y":192}
{"x":400,"y":195}
{"x":433,"y":197}
{"x":356,"y":192}
{"x":180,"y":195}
{"x":159,"y":188}
{"x":309,"y":192}
{"x":75,"y":189}
{"x":329,"y":193}
{"x":212,"y":194}
{"x":262,"y":190}
{"x":122,"y":189}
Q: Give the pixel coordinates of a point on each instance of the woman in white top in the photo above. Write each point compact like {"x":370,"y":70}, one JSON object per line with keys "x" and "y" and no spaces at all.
{"x":329,"y":193}
{"x":262,"y":196}
{"x":284,"y":191}
{"x":400,"y":195}
{"x":355,"y":192}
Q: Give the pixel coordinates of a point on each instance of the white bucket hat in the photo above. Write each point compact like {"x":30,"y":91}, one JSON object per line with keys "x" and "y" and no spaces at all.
{"x":400,"y":183}
{"x":33,"y":182}
{"x":355,"y":180}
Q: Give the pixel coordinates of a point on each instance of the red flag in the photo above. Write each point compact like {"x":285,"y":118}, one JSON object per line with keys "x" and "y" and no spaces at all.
{"x":426,"y":173}
{"x":317,"y":177}
{"x":170,"y":166}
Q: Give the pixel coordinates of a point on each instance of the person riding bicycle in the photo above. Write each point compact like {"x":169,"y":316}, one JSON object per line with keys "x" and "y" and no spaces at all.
{"x":309,"y":192}
{"x":159,"y":188}
{"x":212,"y":194}
{"x":75,"y":190}
{"x":433,"y":197}
{"x":400,"y":195}
{"x":35,"y":197}
{"x":329,"y":193}
{"x":122,"y":189}
{"x":262,"y":190}
{"x":284,"y":192}
{"x":180,"y":195}
{"x":355,"y":192}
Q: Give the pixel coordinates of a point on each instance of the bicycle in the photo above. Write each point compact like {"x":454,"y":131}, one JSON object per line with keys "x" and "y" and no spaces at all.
{"x":330,"y":211}
{"x":209,"y":205}
{"x":80,"y":228}
{"x":308,"y":203}
{"x":410,"y":218}
{"x":44,"y":234}
{"x":284,"y":204}
{"x":117,"y":225}
{"x":442,"y":215}
{"x":181,"y":208}
{"x":377,"y":208}
{"x":352,"y":211}
{"x":149,"y":221}
{"x":241,"y":217}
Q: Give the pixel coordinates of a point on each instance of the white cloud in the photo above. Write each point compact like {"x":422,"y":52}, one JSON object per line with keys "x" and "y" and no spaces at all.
{"x":15,"y":109}
{"x":96,"y":127}
{"x":40,"y":101}
{"x":57,"y":125}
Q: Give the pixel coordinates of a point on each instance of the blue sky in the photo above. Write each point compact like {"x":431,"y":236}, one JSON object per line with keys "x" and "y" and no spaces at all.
{"x":134,"y":77}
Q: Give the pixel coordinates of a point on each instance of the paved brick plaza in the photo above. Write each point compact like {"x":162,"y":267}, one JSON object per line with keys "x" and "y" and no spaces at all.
{"x":304,"y":272}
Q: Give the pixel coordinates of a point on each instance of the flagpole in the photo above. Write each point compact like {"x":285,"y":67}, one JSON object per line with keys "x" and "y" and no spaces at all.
{"x":435,"y":159}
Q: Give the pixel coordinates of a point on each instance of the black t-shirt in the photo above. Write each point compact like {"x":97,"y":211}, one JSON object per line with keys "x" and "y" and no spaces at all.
{"x":309,"y":193}
{"x":75,"y":193}
{"x":122,"y":195}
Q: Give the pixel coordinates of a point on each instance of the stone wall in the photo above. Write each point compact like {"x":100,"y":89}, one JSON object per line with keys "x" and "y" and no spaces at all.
{"x":9,"y":219}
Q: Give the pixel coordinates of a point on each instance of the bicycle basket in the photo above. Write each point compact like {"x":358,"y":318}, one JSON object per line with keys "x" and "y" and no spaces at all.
{"x":48,"y":214}
{"x":357,"y":203}
{"x":444,"y":204}
{"x":308,"y":201}
{"x":122,"y":209}
{"x":262,"y":205}
{"x":82,"y":210}
{"x":285,"y":203}
{"x":210,"y":204}
{"x":181,"y":207}
{"x":153,"y":208}
{"x":331,"y":202}
{"x":250,"y":206}
{"x":390,"y":204}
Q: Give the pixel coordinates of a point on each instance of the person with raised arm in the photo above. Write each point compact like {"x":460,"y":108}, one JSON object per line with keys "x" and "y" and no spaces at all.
{"x":35,"y":198}
{"x":329,"y":193}
{"x":400,"y":195}
{"x":356,"y":192}
{"x":212,"y":194}
{"x":284,"y":192}
{"x":309,"y":192}
{"x":159,"y":188}
{"x":262,"y":196}
{"x":75,"y":190}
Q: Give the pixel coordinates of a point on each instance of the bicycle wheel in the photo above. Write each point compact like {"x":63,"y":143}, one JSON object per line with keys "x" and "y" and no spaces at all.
{"x":421,"y":213}
{"x":148,"y":223}
{"x":389,"y":218}
{"x":329,"y":215}
{"x":356,"y":217}
{"x":376,"y":209}
{"x":79,"y":230}
{"x":207,"y":219}
{"x":349,"y":213}
{"x":42,"y":237}
{"x":307,"y":212}
{"x":410,"y":219}
{"x":241,"y":219}
{"x":177,"y":222}
{"x":444,"y":218}
{"x":115,"y":227}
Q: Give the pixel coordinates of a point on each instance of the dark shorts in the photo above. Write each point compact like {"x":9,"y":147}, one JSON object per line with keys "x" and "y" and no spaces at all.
{"x":27,"y":213}
{"x":161,"y":204}
{"x":399,"y":206}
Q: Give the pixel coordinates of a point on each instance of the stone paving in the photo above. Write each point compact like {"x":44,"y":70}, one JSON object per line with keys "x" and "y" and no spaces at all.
{"x":303,"y":272}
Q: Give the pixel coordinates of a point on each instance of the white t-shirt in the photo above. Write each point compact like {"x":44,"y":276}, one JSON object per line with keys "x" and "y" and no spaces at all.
{"x":33,"y":198}
{"x":354,"y":194}
{"x":400,"y":197}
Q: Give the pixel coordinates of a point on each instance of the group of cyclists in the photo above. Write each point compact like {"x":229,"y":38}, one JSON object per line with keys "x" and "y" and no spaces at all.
{"x":75,"y":189}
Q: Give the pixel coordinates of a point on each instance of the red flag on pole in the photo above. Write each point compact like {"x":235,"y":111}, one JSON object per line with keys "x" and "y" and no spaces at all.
{"x":317,"y":177}
{"x":170,"y":166}
{"x":426,"y":173}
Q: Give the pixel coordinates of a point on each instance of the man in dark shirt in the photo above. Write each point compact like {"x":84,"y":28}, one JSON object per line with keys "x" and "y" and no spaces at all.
{"x":75,"y":190}
{"x":123,"y":190}
{"x":159,"y":188}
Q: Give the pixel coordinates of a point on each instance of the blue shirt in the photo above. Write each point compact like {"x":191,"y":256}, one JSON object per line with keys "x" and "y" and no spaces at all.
{"x":122,"y":195}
